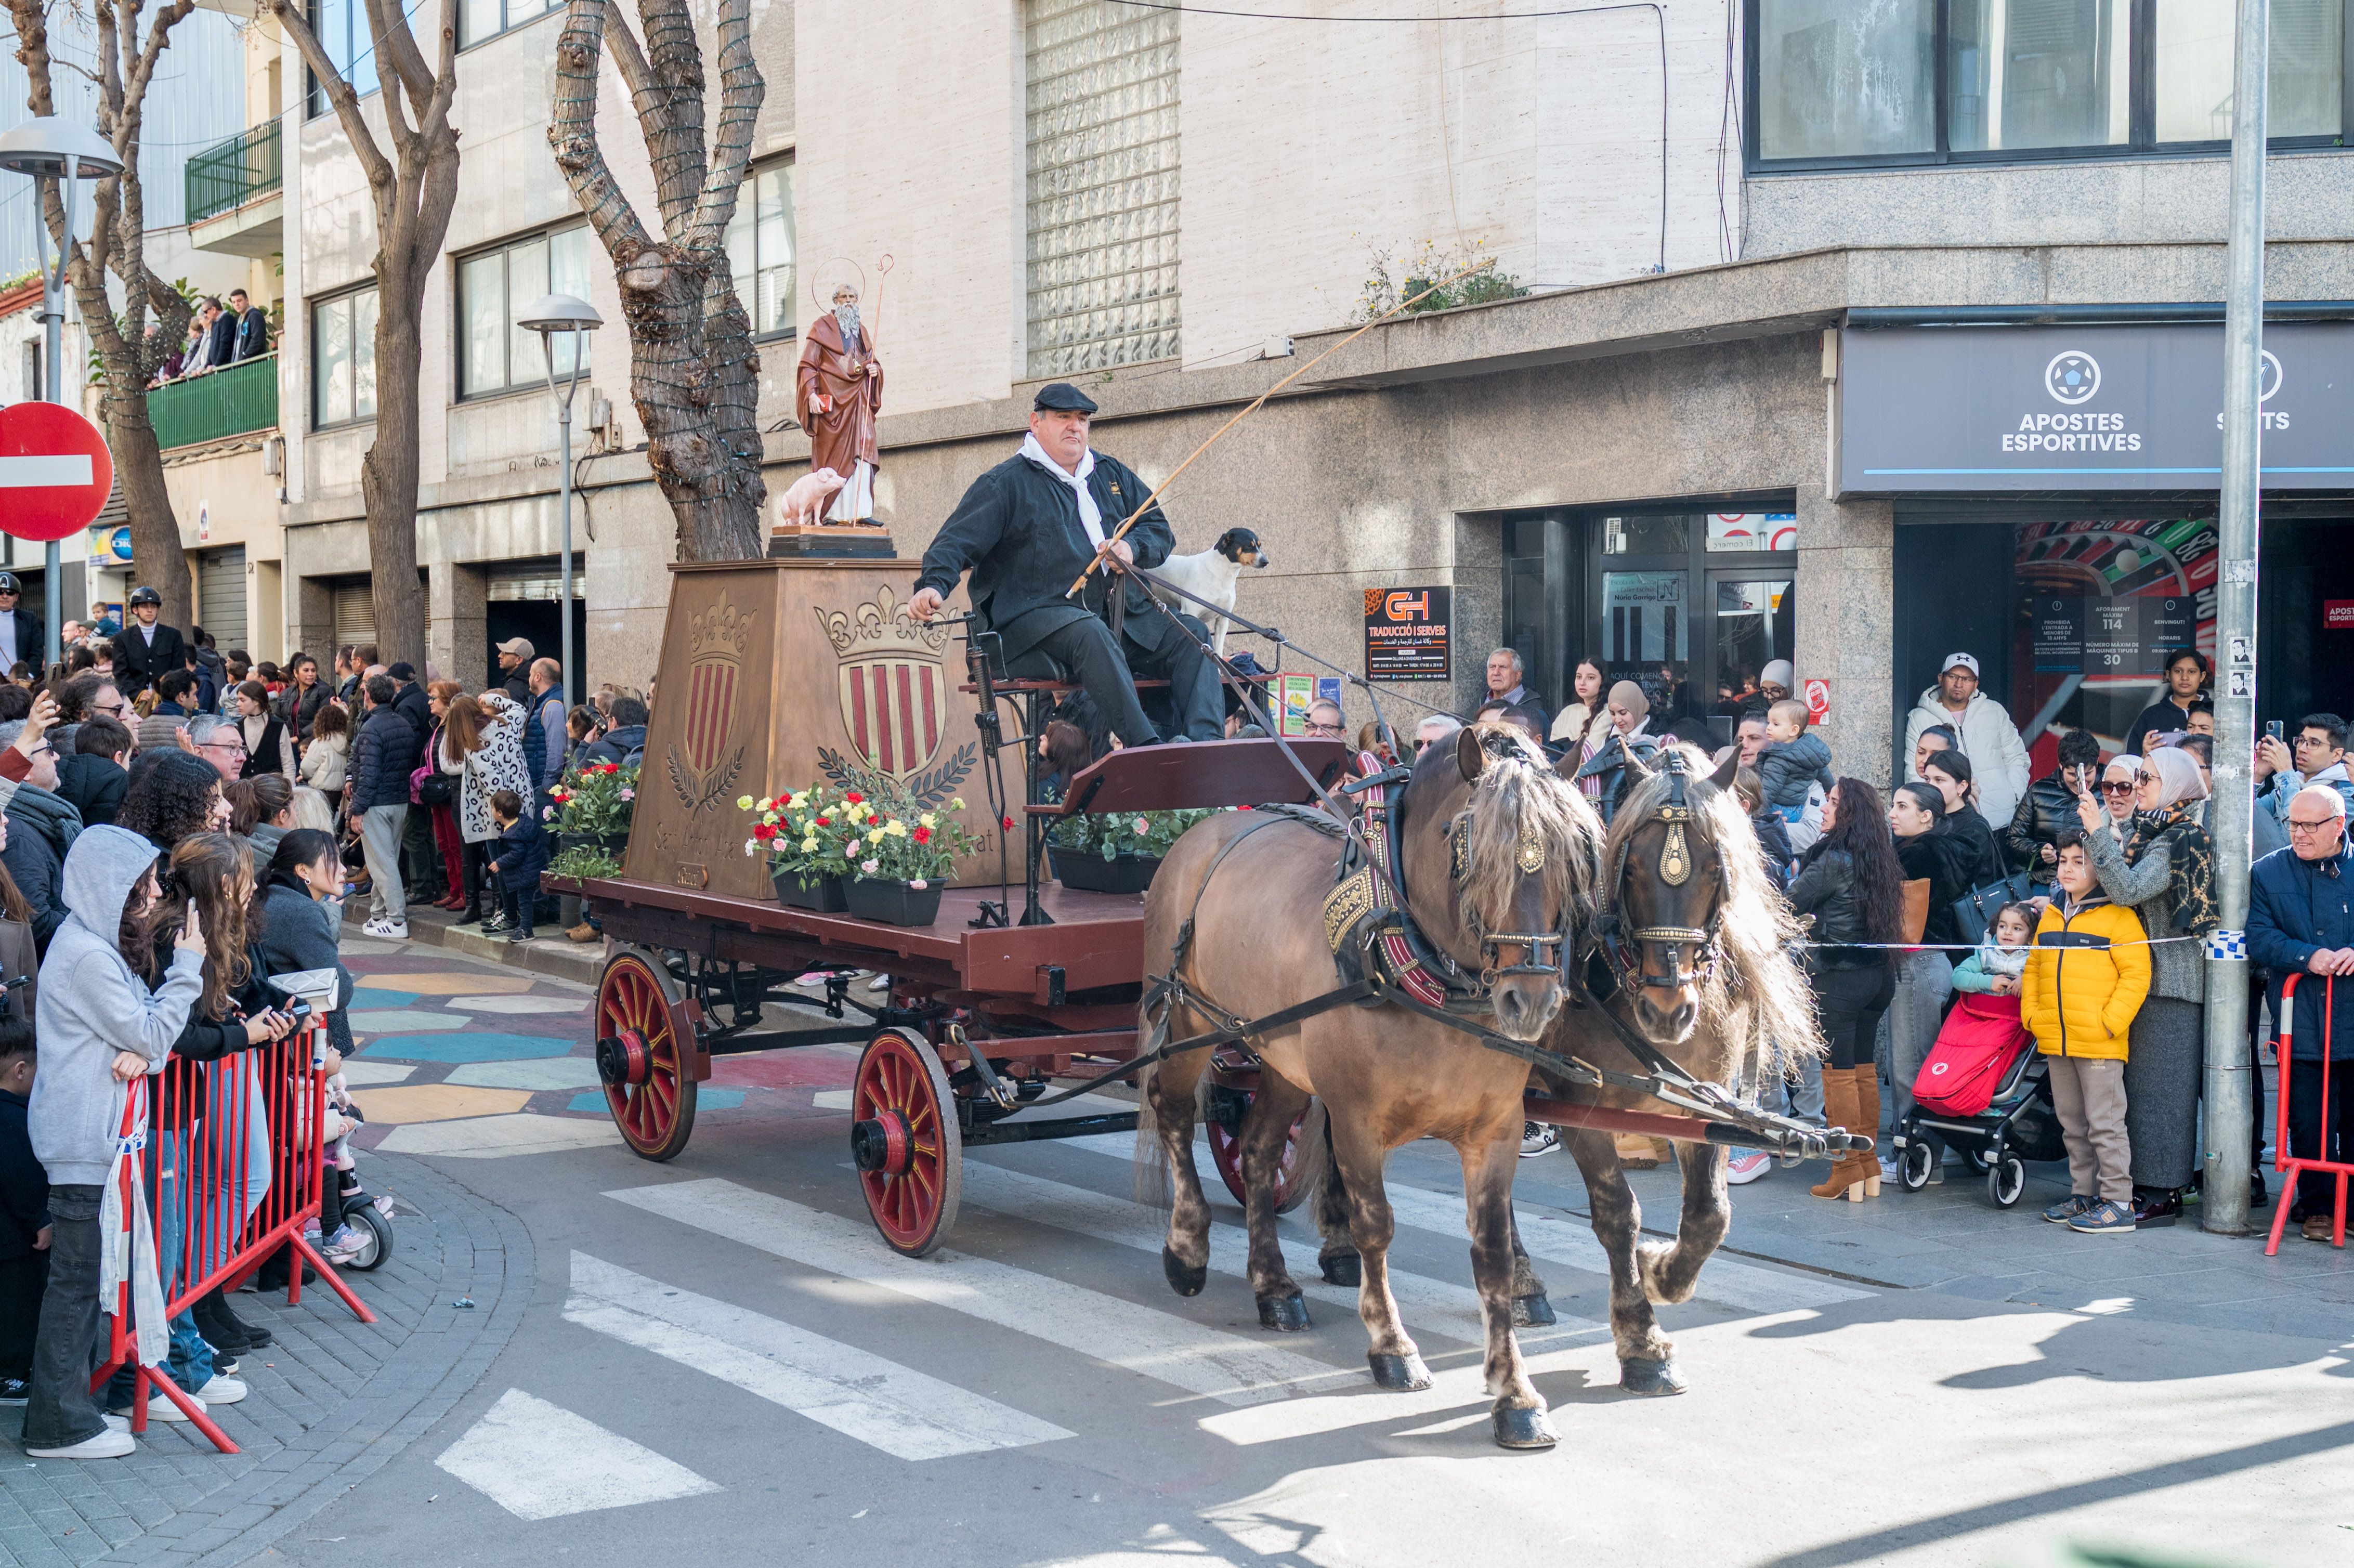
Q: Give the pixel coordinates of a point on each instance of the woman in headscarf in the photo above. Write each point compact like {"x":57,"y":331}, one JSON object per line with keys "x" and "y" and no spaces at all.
{"x":2120,"y":780}
{"x":2165,"y":872}
{"x":1603,"y":776}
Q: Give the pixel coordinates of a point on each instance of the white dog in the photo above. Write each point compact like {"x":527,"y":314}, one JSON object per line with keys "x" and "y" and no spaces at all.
{"x":1211,"y":575}
{"x":805,"y":499}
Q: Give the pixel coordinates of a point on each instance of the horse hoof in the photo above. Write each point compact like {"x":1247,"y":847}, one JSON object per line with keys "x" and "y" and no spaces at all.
{"x":1650,"y":1378}
{"x":1184,"y":1278}
{"x":1344,"y":1268}
{"x":1284,"y":1314}
{"x":1524,"y":1429}
{"x":1532,"y":1312}
{"x":1399,"y":1375}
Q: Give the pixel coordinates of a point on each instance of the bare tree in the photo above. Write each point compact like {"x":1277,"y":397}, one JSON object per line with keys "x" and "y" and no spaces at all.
{"x":694,"y":373}
{"x":133,"y":347}
{"x":415,"y":189}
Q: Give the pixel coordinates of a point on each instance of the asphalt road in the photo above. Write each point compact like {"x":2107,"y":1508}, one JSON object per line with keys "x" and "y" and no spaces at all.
{"x":721,"y":1363}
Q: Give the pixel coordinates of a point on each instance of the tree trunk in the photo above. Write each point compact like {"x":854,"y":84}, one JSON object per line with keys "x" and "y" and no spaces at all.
{"x":388,"y":485}
{"x":159,"y":560}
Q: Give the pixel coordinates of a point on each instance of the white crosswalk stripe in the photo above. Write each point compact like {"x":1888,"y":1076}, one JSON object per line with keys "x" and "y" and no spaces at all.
{"x":1563,"y":1240}
{"x":1427,"y":1304}
{"x":1142,"y":1339}
{"x":903,"y":1412}
{"x":538,"y":1460}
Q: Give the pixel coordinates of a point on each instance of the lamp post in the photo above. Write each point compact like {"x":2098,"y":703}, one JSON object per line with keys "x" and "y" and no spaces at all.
{"x":550,"y":316}
{"x":51,"y":148}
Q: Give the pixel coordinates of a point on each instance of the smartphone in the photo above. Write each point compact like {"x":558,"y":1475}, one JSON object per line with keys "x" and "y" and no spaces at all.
{"x":2273,"y":728}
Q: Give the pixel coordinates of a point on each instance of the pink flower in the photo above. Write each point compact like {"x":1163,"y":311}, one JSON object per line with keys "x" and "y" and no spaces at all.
{"x":1142,"y":826}
{"x":918,"y":883}
{"x":629,"y":794}
{"x":869,"y":866}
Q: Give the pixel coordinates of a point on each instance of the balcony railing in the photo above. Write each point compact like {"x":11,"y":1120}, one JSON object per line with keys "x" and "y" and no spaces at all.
{"x":222,"y":179}
{"x":235,"y":400}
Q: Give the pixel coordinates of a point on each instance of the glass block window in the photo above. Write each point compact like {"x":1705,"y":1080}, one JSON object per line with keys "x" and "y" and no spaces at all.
{"x":1102,"y":184}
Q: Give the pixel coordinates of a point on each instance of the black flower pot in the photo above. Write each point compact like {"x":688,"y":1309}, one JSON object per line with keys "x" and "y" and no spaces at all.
{"x":823,"y":896}
{"x":1086,"y":872}
{"x":893,"y":902}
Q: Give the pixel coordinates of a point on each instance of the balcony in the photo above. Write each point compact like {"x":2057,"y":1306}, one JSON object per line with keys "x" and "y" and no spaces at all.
{"x":234,"y":198}
{"x":239,"y":399}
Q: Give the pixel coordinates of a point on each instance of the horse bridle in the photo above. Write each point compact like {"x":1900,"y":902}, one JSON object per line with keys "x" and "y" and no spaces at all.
{"x":1624,"y":949}
{"x":1530,"y":860}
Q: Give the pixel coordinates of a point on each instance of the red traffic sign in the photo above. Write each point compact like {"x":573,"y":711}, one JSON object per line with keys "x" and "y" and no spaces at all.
{"x":55,"y":471}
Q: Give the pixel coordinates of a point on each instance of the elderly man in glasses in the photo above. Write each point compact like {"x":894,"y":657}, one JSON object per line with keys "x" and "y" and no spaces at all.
{"x":2301,"y":922}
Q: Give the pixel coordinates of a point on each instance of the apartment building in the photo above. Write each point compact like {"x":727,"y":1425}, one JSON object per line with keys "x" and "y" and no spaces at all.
{"x":1791,"y":281}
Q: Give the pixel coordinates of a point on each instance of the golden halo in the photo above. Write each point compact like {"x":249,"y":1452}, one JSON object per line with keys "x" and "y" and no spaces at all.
{"x":829,"y":275}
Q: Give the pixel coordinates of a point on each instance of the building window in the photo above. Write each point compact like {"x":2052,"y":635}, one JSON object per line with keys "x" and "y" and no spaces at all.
{"x":1929,"y":81}
{"x":1101,"y":137}
{"x":342,"y":359}
{"x":342,"y":29}
{"x":479,"y":20}
{"x":761,"y":248}
{"x":493,"y":352}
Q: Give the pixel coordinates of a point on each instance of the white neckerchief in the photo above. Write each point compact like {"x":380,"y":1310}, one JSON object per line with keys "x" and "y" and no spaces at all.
{"x":1090,"y":514}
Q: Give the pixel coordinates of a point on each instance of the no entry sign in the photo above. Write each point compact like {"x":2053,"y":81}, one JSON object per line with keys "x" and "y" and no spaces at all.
{"x":55,"y":471}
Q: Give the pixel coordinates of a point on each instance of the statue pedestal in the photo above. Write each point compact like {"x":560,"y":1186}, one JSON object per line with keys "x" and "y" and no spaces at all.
{"x":830,"y":541}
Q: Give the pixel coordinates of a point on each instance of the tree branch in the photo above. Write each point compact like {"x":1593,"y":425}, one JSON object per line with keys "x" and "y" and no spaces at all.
{"x":372,"y":160}
{"x":741,"y":89}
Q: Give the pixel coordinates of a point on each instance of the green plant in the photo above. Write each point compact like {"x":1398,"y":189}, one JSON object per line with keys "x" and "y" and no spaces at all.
{"x":1147,"y":834}
{"x":1393,"y":279}
{"x":885,"y":836}
{"x":585,"y":861}
{"x":594,"y":802}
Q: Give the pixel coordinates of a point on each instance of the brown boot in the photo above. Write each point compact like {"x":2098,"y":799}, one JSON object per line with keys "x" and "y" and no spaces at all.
{"x":1845,"y":1180}
{"x":1867,"y":1121}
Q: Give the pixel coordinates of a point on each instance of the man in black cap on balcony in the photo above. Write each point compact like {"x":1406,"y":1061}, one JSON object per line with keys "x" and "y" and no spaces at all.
{"x":1030,"y":525}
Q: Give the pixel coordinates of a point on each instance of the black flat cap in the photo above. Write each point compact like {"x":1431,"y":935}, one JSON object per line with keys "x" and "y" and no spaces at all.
{"x":1062,"y":397}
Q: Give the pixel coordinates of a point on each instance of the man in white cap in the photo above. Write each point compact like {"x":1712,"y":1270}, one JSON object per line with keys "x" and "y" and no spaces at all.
{"x":515,"y":655}
{"x":1989,"y":738}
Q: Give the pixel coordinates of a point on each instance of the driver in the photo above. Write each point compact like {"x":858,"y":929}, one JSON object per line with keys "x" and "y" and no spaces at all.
{"x":1031,"y":525}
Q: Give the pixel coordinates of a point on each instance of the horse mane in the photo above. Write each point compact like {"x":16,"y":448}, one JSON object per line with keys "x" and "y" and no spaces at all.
{"x":1520,"y":798}
{"x":1757,"y":998}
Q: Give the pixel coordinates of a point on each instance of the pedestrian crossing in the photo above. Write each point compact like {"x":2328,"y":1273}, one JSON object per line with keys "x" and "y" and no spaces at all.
{"x":1234,"y":1384}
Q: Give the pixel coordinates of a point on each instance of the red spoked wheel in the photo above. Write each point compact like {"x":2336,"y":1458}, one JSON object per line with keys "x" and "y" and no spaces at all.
{"x":905,"y":1141}
{"x":640,"y":1059}
{"x":1226,"y":1149}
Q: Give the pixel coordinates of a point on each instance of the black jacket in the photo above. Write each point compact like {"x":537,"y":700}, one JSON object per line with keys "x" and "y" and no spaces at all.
{"x":523,"y":852}
{"x":1825,"y":888}
{"x":223,"y":338}
{"x":300,"y":932}
{"x":24,"y":1182}
{"x":2045,"y":812}
{"x":383,"y":757}
{"x":252,"y":333}
{"x":2163,"y":715}
{"x":137,"y":663}
{"x":1017,"y":530}
{"x":617,"y":745}
{"x":32,"y":644}
{"x":411,"y":704}
{"x":1944,"y":861}
{"x":1985,"y":863}
{"x":92,"y":785}
{"x":298,"y":709}
{"x":41,"y":828}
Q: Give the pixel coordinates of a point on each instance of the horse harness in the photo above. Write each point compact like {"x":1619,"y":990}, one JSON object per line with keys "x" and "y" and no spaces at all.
{"x":1622,"y":950}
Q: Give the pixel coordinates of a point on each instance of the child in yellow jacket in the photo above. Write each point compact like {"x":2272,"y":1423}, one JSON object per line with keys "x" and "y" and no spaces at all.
{"x":2085,"y":978}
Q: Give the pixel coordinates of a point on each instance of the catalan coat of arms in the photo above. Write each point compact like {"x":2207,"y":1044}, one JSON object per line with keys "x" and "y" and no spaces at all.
{"x":702,"y":763}
{"x":893,"y":684}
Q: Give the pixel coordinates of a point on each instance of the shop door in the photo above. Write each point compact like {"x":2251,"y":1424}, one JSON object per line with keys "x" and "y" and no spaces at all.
{"x":1691,"y":609}
{"x":220,"y":596}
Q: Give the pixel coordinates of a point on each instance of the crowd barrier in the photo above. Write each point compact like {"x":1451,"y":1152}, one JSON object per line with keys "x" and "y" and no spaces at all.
{"x":2290,"y":1165}
{"x":233,"y":1165}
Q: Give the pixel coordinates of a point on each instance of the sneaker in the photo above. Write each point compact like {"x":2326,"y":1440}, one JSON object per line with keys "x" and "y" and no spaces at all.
{"x":1890,"y":1171}
{"x":159,"y":1408}
{"x":2316,"y":1227}
{"x":1538,"y":1137}
{"x":1745,"y":1166}
{"x":346,"y":1243}
{"x":221,"y":1391}
{"x":391,"y":930}
{"x":880,"y":982}
{"x":2068,"y":1208}
{"x":496,"y":924}
{"x":110,"y":1444}
{"x":520,"y":936}
{"x":2104,"y":1219}
{"x":15,"y":1391}
{"x":224,"y":1361}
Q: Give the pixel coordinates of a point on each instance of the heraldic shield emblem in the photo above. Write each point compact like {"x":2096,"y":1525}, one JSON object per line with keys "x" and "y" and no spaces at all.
{"x":705,"y":765}
{"x":896,"y":696}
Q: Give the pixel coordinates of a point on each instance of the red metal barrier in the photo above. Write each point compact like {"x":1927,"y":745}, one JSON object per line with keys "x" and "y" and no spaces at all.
{"x":2290,"y":1166}
{"x":250,"y":1173}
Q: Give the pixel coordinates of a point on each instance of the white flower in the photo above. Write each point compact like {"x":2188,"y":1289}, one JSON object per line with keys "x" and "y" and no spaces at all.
{"x":918,"y":883}
{"x":629,"y":794}
{"x":869,"y":866}
{"x":751,"y":846}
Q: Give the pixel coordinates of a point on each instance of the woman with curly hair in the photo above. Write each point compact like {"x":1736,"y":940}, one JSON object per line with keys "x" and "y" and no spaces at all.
{"x":171,"y":795}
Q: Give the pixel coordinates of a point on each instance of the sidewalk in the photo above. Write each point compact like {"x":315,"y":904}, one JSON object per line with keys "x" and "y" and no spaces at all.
{"x":548,"y":953}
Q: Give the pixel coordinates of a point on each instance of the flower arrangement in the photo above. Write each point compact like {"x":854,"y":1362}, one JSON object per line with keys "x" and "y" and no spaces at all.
{"x":1147,"y":835}
{"x":594,"y":802}
{"x":823,"y":832}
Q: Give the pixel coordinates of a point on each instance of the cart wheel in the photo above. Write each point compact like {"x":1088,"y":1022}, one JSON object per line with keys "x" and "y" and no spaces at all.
{"x":2006,"y":1179}
{"x":1920,"y":1157}
{"x":640,"y":1059}
{"x":1226,"y":1153}
{"x":905,"y":1140}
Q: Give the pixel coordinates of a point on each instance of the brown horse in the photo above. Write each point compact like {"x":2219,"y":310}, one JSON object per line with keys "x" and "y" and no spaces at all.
{"x":1695,"y":938}
{"x":1245,"y":932}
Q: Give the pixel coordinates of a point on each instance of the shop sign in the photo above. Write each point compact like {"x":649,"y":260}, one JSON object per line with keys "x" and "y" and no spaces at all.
{"x":1296,"y":694}
{"x":2075,"y":635}
{"x":2338,"y":614}
{"x":119,"y":541}
{"x":1753,"y":531}
{"x":2084,"y":408}
{"x":1818,"y":700}
{"x":1407,"y":633}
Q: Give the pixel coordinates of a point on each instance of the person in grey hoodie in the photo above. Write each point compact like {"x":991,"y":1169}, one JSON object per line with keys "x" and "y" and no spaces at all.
{"x":99,"y":1026}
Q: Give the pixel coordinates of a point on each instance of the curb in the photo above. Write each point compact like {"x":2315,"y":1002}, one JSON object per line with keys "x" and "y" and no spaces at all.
{"x":556,"y":956}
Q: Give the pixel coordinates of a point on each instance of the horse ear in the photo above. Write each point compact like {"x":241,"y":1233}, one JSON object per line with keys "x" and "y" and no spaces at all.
{"x":1470,"y":756}
{"x":1727,"y":770}
{"x":1635,"y":766}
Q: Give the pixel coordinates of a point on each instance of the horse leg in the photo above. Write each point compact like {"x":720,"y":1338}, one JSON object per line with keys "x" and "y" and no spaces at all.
{"x":1357,"y":1156}
{"x":1336,"y":1257}
{"x":1266,"y":1129}
{"x":1645,"y":1363}
{"x":1519,"y":1411}
{"x":1168,"y":1093}
{"x":1531,"y":1307}
{"x":1670,"y":1269}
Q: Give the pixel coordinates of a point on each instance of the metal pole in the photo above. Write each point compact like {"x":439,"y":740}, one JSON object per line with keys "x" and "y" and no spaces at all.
{"x":2230,"y":1084}
{"x":564,"y":606}
{"x":53,"y":373}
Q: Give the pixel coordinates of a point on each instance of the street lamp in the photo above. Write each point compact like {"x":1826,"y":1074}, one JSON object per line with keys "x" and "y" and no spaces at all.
{"x":550,"y":316}
{"x":51,"y":148}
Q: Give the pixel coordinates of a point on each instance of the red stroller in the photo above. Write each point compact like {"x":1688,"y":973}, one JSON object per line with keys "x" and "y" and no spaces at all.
{"x":1983,"y":1090}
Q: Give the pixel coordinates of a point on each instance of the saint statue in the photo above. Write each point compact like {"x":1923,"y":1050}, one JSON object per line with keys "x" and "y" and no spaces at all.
{"x":837,"y":388}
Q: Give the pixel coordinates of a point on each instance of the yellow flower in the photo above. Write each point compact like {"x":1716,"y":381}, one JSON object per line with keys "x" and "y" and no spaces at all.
{"x":809,"y":846}
{"x":896,"y":827}
{"x":928,"y":820}
{"x":800,"y":796}
{"x":957,"y":804}
{"x":744,"y":802}
{"x":875,"y":837}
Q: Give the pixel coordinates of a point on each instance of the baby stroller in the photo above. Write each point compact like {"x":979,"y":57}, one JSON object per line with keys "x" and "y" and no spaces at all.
{"x":1983,"y":1090}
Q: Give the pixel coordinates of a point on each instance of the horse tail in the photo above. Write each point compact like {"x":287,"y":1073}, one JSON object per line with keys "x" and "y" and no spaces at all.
{"x":1154,"y":1187}
{"x":1312,"y":1167}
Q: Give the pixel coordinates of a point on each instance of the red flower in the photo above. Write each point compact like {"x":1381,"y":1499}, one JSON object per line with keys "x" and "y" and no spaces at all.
{"x":853,"y":797}
{"x":764,"y":833}
{"x":823,"y":823}
{"x":922,"y":835}
{"x":1007,"y":825}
